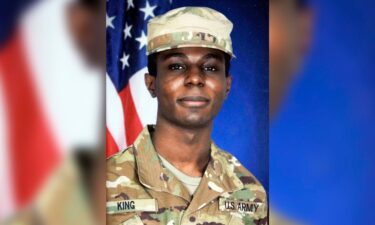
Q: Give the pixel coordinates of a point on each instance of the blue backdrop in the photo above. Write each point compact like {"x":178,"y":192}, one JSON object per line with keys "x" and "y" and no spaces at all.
{"x":242,"y":125}
{"x":322,"y":142}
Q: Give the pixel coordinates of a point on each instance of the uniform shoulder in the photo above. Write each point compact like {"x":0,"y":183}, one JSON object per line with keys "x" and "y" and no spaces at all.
{"x":129,"y":151}
{"x":124,"y":158}
{"x":246,"y":177}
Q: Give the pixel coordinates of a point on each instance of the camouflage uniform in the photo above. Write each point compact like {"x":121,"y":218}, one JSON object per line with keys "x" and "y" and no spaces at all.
{"x":141,"y":191}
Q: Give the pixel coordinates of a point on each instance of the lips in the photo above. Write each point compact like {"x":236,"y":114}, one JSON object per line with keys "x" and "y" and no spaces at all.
{"x":193,"y":101}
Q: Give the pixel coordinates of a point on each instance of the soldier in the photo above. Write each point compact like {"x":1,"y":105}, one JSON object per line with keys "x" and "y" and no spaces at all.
{"x":174,"y":173}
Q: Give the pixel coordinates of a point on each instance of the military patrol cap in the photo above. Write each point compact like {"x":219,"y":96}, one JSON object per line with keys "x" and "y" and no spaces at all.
{"x":189,"y":27}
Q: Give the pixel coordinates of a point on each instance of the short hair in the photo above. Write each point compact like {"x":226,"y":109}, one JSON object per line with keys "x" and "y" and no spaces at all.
{"x":152,"y":63}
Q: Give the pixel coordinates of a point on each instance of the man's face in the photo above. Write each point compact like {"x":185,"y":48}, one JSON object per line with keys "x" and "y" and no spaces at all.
{"x":190,"y":85}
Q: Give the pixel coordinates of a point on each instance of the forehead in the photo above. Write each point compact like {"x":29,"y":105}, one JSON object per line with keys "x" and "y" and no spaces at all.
{"x":192,"y":52}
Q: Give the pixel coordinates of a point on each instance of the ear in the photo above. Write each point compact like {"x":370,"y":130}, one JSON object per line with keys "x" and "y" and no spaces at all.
{"x":150,"y":84}
{"x":229,"y":85}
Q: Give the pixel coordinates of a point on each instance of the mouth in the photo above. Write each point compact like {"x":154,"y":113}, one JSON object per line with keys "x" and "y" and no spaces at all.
{"x":193,"y":101}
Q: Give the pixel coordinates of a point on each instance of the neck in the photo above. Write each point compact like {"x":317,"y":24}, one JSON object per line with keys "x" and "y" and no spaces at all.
{"x":188,"y":149}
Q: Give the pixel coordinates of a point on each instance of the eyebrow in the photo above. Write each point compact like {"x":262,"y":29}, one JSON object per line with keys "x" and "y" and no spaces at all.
{"x":217,"y":56}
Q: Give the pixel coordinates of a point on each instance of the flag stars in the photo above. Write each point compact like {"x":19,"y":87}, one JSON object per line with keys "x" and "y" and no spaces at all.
{"x":148,"y":10}
{"x":127,"y":31}
{"x":109,"y":21}
{"x":125,"y":60}
{"x":142,"y":40}
{"x":130,"y":4}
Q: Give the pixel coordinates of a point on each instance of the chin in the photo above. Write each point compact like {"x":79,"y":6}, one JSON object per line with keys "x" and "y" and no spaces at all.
{"x":194,"y":121}
{"x":188,"y":119}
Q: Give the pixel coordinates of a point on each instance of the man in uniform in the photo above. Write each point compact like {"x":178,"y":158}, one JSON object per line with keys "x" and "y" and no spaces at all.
{"x":174,"y":173}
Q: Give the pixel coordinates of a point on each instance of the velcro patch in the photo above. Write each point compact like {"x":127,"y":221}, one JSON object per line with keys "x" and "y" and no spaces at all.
{"x":231,"y":205}
{"x":132,"y":205}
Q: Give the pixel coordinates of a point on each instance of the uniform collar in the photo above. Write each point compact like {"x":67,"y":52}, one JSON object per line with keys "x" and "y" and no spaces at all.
{"x":218,"y":178}
{"x":152,"y":174}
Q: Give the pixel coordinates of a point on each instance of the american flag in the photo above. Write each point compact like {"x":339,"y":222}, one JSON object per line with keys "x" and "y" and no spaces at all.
{"x":129,"y":105}
{"x":40,"y":121}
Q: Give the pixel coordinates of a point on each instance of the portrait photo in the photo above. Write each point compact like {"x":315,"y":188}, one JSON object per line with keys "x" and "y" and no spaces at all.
{"x":187,"y":112}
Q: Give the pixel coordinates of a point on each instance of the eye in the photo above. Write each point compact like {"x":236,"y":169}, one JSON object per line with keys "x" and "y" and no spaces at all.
{"x":210,"y":68}
{"x":177,"y":66}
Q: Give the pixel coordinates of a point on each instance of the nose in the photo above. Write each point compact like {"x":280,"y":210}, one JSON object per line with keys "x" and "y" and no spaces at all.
{"x":194,"y":77}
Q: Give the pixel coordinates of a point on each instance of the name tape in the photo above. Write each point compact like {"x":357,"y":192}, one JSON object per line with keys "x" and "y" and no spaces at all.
{"x":132,"y":205}
{"x":250,"y":207}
